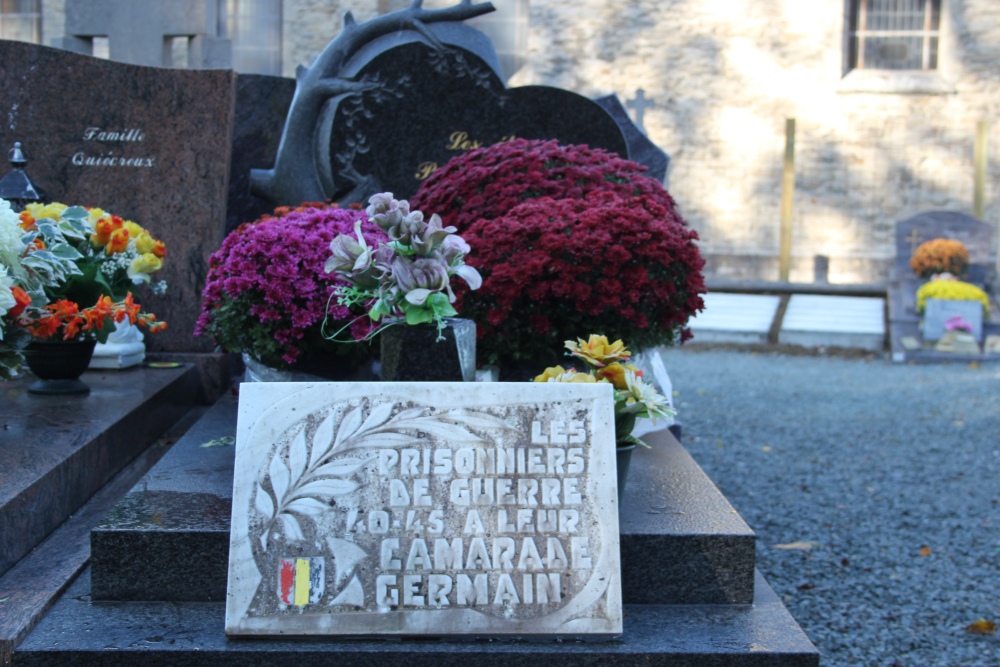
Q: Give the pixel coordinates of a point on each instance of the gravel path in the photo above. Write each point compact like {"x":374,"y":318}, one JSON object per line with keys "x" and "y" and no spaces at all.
{"x":888,"y":477}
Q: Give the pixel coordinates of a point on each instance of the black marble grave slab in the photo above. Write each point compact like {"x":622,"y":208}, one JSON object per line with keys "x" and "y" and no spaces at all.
{"x":426,"y":106}
{"x":261,"y":106}
{"x":79,"y":631}
{"x":56,"y":451}
{"x":681,"y":541}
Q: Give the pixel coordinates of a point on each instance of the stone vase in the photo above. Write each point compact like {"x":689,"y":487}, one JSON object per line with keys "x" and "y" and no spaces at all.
{"x":412,"y":353}
{"x":58,"y":365}
{"x":623,"y":456}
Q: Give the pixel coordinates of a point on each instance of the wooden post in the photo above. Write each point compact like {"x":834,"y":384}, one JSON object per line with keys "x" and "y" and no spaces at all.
{"x":980,"y":158}
{"x":787,"y":201}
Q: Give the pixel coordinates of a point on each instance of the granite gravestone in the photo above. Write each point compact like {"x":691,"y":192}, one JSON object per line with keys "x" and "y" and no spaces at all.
{"x":147,"y":144}
{"x":391,"y":100}
{"x":974,"y":233}
{"x":425,"y":509}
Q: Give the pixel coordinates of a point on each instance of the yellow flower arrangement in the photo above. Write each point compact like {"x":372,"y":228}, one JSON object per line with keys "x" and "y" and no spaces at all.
{"x":634,"y":397}
{"x":940,"y":256}
{"x":952,"y":290}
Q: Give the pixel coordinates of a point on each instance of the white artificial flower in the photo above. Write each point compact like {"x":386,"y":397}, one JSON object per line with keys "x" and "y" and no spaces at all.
{"x":7,"y":300}
{"x":642,"y":395}
{"x":11,"y":246}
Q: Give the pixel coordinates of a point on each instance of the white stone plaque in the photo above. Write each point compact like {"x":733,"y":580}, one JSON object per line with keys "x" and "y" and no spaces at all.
{"x":437,"y":509}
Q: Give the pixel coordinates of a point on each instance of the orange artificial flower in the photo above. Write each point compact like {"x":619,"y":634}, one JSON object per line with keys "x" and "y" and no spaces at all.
{"x":104,"y":228}
{"x":27,"y":220}
{"x":98,"y":313}
{"x":63,"y":308}
{"x":72,"y":327}
{"x":129,"y":309}
{"x":159,"y":249}
{"x":118,"y":242}
{"x":44,"y":327}
{"x":22,"y":301}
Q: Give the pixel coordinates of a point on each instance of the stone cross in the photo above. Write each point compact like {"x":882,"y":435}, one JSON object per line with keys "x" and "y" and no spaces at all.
{"x":142,"y":33}
{"x":640,"y":104}
{"x":915,"y":239}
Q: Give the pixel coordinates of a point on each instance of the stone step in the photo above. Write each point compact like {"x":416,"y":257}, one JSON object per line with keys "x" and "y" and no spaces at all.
{"x":681,"y":540}
{"x":78,"y":631}
{"x":57,"y":451}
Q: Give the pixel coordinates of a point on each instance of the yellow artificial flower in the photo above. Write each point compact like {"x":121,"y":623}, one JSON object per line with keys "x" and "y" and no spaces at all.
{"x":134,"y":229}
{"x":550,"y":372}
{"x":95,"y":215}
{"x":573,"y":375}
{"x":53,"y":210}
{"x":597,"y":351}
{"x":615,"y":374}
{"x":143,"y":265}
{"x":953,"y":290}
{"x":144,"y":243}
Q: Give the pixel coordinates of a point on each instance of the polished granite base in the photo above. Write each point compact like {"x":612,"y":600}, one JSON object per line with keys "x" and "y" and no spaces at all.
{"x":58,"y":450}
{"x":80,"y":631}
{"x":681,"y":540}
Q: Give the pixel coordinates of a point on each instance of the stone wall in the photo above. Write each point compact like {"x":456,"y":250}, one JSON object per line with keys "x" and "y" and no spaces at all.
{"x":724,"y":75}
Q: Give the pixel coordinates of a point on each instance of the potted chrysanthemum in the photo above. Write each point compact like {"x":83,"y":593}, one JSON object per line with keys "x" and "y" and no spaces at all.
{"x":268,"y":296}
{"x":567,"y":239}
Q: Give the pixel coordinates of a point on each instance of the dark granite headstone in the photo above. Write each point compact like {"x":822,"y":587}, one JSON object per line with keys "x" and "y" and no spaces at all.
{"x":407,"y":101}
{"x":974,"y":233}
{"x":431,"y":106}
{"x":261,"y":106}
{"x":148,"y":144}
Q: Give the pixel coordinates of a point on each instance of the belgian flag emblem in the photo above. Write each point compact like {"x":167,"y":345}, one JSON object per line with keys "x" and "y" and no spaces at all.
{"x":301,"y":581}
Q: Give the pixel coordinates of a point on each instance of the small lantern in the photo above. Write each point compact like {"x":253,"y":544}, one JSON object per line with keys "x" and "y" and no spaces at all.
{"x":17,"y":187}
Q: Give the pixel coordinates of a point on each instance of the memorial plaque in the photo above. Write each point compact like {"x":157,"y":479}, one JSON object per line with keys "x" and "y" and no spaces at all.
{"x":425,"y":509}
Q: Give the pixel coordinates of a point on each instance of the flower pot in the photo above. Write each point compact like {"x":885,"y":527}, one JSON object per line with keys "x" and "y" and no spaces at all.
{"x":58,"y":365}
{"x":412,"y":353}
{"x":623,"y":456}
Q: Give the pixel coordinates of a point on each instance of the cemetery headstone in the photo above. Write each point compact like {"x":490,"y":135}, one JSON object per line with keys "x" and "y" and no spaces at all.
{"x":148,"y":144}
{"x":425,"y":509}
{"x":383,"y":114}
{"x":974,"y":233}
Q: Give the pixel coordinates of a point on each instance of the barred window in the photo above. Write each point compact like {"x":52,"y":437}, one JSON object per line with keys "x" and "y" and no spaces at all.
{"x":20,"y":20}
{"x":894,"y":34}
